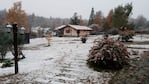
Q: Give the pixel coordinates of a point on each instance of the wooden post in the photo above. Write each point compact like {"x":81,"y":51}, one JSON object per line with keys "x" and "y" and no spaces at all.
{"x":15,"y":43}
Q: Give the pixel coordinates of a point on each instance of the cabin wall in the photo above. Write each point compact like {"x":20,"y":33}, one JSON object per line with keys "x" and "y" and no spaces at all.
{"x":69,"y":31}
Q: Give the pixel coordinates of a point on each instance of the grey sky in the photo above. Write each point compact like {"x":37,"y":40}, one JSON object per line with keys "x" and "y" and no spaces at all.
{"x":66,"y":8}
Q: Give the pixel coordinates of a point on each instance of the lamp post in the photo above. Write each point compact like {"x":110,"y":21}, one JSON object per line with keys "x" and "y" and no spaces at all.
{"x":15,"y":43}
{"x":14,"y":29}
{"x":22,"y":30}
{"x":8,"y":28}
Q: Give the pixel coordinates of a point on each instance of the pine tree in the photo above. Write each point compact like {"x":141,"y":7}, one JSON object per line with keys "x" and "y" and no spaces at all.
{"x":91,"y":18}
{"x":75,"y":20}
{"x":121,"y":15}
{"x":120,"y":20}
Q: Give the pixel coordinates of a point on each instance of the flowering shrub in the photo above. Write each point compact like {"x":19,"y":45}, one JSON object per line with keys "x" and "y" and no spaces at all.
{"x":108,"y":53}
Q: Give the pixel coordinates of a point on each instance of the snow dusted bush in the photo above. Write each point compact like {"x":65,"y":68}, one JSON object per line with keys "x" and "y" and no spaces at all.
{"x":7,"y":63}
{"x":108,"y":53}
{"x":126,"y":35}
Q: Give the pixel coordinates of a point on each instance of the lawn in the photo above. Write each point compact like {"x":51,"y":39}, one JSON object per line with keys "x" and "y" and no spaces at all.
{"x":62,"y":62}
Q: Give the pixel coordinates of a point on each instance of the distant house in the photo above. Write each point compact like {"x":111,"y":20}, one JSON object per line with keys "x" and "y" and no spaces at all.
{"x":40,"y":32}
{"x":73,"y":30}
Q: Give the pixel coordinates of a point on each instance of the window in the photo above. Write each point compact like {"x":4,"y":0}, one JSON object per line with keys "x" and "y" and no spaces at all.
{"x":68,"y":31}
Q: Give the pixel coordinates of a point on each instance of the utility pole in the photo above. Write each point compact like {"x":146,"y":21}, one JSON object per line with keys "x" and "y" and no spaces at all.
{"x":15,"y":43}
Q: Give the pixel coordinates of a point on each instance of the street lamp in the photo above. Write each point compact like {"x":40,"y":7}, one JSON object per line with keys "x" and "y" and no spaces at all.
{"x":8,"y":28}
{"x":21,"y":30}
{"x":15,"y":30}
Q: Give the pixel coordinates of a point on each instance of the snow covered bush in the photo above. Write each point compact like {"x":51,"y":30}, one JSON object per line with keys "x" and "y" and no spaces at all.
{"x":126,"y":35}
{"x":108,"y":53}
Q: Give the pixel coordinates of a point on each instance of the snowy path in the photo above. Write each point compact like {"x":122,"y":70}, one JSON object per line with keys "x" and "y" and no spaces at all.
{"x":64,"y":62}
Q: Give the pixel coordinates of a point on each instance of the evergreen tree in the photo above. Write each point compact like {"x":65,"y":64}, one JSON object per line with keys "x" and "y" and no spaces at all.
{"x":91,"y":18}
{"x":121,"y":15}
{"x":75,"y":20}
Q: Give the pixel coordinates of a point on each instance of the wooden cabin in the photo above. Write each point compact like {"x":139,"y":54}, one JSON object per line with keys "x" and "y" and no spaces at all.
{"x":73,"y":30}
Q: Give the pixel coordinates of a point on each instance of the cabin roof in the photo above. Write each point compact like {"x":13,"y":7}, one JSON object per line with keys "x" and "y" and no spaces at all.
{"x":77,"y":27}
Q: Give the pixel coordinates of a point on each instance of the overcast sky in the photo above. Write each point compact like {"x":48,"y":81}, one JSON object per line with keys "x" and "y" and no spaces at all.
{"x":66,"y":8}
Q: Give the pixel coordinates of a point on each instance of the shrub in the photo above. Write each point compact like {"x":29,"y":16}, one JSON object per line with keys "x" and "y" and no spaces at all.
{"x":108,"y":54}
{"x":7,"y":63}
{"x":6,"y":42}
{"x":126,"y":35}
{"x":83,"y":39}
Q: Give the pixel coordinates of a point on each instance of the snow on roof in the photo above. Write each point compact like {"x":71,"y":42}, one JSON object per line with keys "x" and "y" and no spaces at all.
{"x":60,"y":27}
{"x":8,"y":25}
{"x":23,"y":28}
{"x":77,"y":27}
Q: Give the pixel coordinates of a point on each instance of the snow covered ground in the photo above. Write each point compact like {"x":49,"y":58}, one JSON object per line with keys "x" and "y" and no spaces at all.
{"x":64,"y":62}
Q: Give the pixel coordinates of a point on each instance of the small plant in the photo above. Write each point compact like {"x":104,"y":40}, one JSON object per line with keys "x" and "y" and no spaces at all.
{"x":7,"y":63}
{"x":83,"y":39}
{"x":108,"y":53}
